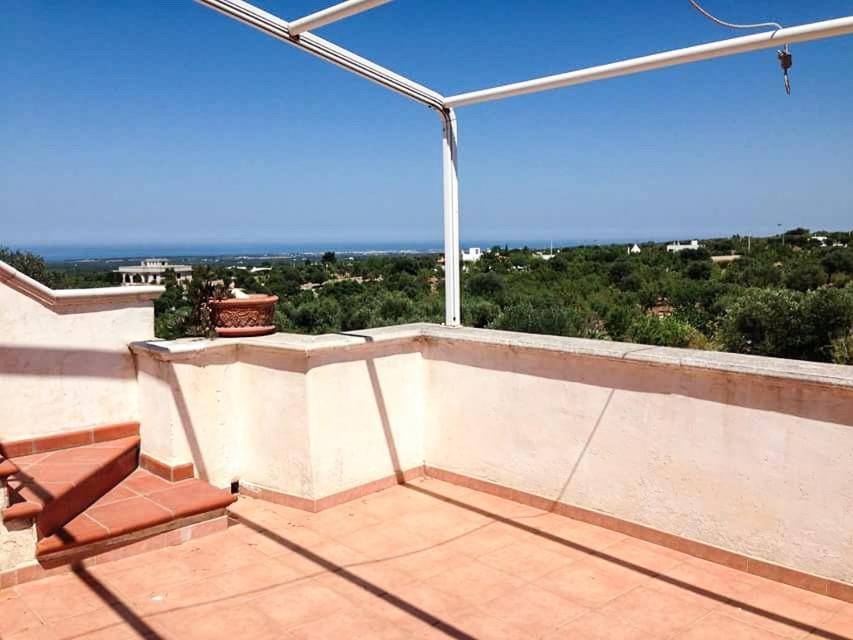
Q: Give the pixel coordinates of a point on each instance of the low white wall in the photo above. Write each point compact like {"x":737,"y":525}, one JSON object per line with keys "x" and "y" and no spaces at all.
{"x":274,"y":433}
{"x":302,"y":415}
{"x":365,"y":415}
{"x":754,"y":455}
{"x":64,"y":358}
{"x":191,"y":410}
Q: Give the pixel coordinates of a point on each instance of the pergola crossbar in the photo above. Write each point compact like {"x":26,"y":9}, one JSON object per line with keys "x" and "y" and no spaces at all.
{"x":718,"y":49}
{"x":333,"y":14}
{"x":297,"y":33}
{"x":280,"y":29}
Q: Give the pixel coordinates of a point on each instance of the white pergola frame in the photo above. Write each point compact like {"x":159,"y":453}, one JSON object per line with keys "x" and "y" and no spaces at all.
{"x":297,"y":33}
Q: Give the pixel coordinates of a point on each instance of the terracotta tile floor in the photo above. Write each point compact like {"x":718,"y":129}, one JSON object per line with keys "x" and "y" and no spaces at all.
{"x":428,"y":560}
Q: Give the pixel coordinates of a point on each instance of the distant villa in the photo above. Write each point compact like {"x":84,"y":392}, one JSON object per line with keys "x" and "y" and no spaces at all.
{"x":677,"y":246}
{"x":472,"y":255}
{"x":151,"y":271}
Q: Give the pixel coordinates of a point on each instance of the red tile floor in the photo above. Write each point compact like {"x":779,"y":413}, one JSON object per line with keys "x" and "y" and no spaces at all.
{"x":426,"y":560}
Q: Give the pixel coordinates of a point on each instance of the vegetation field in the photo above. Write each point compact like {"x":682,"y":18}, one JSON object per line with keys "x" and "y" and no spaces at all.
{"x":789,"y":296}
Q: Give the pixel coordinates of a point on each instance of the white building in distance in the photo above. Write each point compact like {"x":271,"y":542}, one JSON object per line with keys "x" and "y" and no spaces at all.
{"x":151,"y":271}
{"x":676,"y":246}
{"x":636,"y":249}
{"x":472,"y":255}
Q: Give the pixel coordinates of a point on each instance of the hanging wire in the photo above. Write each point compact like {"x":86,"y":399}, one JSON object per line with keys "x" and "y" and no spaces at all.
{"x":732,"y":25}
{"x":784,"y":55}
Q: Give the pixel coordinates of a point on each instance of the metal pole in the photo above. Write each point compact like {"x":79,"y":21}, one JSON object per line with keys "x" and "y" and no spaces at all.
{"x":333,"y":14}
{"x":452,"y":305}
{"x":766,"y":40}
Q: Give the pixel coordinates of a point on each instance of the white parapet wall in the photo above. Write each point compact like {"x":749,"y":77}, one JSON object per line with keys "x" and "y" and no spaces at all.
{"x":306,"y":416}
{"x":64,"y":357}
{"x":754,"y":455}
{"x":751,"y":455}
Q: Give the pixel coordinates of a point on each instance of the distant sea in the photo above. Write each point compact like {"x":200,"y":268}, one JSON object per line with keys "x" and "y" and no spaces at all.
{"x":75,"y":253}
{"x":118,"y":251}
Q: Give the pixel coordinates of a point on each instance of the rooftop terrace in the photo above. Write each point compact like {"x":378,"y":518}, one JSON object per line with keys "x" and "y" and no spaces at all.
{"x":410,"y":481}
{"x":417,"y":481}
{"x":424,"y":560}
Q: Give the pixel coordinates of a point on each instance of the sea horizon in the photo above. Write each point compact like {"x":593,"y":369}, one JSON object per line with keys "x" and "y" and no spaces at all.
{"x":119,"y":251}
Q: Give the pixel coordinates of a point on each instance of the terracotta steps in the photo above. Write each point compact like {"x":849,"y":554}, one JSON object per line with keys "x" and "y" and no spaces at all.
{"x":56,"y":486}
{"x":90,"y":497}
{"x":140,"y":503}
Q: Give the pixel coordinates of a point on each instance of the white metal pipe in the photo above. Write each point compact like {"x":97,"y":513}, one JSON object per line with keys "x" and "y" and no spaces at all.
{"x":333,"y":14}
{"x":452,"y":284}
{"x":278,"y":28}
{"x":721,"y":48}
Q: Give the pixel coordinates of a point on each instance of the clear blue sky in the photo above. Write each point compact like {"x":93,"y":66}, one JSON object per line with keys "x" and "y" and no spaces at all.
{"x":123,"y":121}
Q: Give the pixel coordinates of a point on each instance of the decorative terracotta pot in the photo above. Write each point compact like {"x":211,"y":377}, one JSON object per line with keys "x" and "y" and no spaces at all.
{"x":242,"y":317}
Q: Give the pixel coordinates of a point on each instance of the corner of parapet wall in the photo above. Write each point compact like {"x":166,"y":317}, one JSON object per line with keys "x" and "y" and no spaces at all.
{"x":58,"y":298}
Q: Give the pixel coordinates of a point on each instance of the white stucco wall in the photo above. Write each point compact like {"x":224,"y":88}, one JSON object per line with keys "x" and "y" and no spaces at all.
{"x":191,"y":410}
{"x":754,"y":455}
{"x":309,"y":416}
{"x":64,"y":358}
{"x":274,"y":439}
{"x":758,"y":465}
{"x":365,"y":415}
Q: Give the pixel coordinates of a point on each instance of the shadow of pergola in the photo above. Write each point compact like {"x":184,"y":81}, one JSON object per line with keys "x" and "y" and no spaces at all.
{"x":347,"y":572}
{"x":324,"y":565}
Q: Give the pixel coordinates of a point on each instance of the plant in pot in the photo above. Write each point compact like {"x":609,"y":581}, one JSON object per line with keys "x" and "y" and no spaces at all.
{"x":203,"y":289}
{"x":248,"y":315}
{"x":217,"y":311}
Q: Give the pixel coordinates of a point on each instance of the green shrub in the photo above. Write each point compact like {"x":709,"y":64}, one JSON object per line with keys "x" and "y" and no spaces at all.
{"x":477,"y":312}
{"x":787,"y":324}
{"x":750,"y":273}
{"x":486,"y":285}
{"x":551,"y":320}
{"x":322,"y":315}
{"x":618,"y":319}
{"x":29,"y":264}
{"x":664,"y":332}
{"x":395,"y":308}
{"x":805,"y":277}
{"x":700,"y":269}
{"x":838,"y":260}
{"x":842,"y":349}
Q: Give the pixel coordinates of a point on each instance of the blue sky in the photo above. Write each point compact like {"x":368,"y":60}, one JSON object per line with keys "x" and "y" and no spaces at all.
{"x":164,"y":122}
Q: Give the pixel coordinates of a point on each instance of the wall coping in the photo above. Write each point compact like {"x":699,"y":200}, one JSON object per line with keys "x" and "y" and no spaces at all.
{"x":112,"y":296}
{"x":797,"y":370}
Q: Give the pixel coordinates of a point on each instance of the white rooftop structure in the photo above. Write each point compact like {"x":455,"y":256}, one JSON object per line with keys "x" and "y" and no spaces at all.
{"x":152,"y":270}
{"x":635,"y":249}
{"x":298,"y":33}
{"x":676,"y":246}
{"x":472,"y":255}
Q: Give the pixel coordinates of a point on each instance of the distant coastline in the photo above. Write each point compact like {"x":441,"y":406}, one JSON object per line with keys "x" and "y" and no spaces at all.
{"x":277,"y":251}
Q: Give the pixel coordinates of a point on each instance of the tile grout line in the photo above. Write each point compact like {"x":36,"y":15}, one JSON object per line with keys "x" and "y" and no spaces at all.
{"x":161,"y":506}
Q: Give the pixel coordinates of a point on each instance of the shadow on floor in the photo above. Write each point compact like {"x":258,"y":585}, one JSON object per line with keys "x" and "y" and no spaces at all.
{"x":603,"y":555}
{"x":142,"y":628}
{"x":343,"y":571}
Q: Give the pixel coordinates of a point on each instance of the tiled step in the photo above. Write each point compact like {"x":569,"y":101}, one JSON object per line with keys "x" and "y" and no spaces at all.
{"x":56,"y":486}
{"x":142,"y":502}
